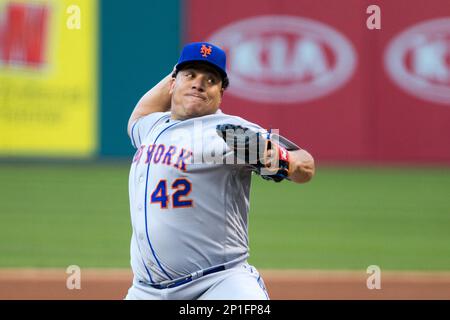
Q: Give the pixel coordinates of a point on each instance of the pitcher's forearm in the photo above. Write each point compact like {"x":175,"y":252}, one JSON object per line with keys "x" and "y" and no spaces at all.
{"x":302,"y":167}
{"x":156,"y":99}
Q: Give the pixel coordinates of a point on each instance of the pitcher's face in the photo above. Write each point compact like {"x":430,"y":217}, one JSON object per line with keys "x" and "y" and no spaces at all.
{"x":196,"y":91}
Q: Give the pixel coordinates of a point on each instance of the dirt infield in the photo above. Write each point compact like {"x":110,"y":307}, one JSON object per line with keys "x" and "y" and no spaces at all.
{"x":282,"y":285}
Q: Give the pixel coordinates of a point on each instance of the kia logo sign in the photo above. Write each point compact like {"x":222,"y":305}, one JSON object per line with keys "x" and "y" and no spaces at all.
{"x":285,"y":59}
{"x":418,"y":60}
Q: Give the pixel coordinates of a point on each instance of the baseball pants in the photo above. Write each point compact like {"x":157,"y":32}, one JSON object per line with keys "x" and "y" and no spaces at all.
{"x":242,"y":282}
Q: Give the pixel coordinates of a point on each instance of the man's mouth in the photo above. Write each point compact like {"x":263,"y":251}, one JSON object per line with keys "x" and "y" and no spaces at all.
{"x":196,"y":96}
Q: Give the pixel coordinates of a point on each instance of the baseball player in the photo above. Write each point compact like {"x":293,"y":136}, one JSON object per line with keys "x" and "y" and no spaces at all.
{"x":189,"y":184}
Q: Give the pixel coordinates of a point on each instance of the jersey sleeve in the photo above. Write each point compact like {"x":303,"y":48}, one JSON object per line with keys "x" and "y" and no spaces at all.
{"x":142,"y":126}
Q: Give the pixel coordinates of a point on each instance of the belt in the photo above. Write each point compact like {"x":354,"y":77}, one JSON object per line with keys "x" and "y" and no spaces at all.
{"x":186,"y":279}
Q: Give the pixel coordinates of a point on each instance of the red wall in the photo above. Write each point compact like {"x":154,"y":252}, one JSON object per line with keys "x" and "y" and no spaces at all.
{"x":336,"y":111}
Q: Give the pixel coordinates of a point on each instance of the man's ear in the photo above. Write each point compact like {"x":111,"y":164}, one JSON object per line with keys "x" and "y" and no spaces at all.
{"x":222,"y":92}
{"x":172,"y":85}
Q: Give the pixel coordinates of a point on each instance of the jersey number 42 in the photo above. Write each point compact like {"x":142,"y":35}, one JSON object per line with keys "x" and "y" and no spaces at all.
{"x":182,"y":188}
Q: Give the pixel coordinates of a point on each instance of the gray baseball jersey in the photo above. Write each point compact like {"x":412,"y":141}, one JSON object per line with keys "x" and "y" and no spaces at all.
{"x":189,"y":202}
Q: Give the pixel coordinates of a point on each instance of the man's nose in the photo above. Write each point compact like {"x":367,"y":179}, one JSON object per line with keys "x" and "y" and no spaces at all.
{"x":199,"y":84}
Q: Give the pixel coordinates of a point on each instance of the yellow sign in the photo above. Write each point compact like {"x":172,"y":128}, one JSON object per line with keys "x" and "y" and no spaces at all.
{"x":48,"y":78}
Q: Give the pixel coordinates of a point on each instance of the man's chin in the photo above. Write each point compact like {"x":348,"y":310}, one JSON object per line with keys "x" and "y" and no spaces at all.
{"x":193,"y":111}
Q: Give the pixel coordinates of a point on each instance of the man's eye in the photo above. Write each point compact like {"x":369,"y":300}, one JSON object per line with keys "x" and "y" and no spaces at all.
{"x":212,"y":80}
{"x":188,"y":74}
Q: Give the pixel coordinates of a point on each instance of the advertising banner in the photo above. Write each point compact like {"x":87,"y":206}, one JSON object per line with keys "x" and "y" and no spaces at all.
{"x":48,"y":78}
{"x":318,"y":72}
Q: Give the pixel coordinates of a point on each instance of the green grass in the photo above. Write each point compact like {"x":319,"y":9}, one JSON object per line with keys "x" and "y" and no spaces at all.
{"x":346,"y":218}
{"x":58,"y":215}
{"x":352,"y":218}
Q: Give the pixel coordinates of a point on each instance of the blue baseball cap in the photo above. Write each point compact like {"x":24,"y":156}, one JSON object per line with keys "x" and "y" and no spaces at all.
{"x":203,"y":52}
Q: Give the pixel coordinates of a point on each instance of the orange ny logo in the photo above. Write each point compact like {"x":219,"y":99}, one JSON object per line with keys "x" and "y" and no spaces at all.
{"x":205,"y":51}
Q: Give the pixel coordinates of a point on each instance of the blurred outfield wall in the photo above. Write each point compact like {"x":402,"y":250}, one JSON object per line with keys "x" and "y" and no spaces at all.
{"x":345,"y":92}
{"x":67,"y":89}
{"x":48,"y":79}
{"x":309,"y":68}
